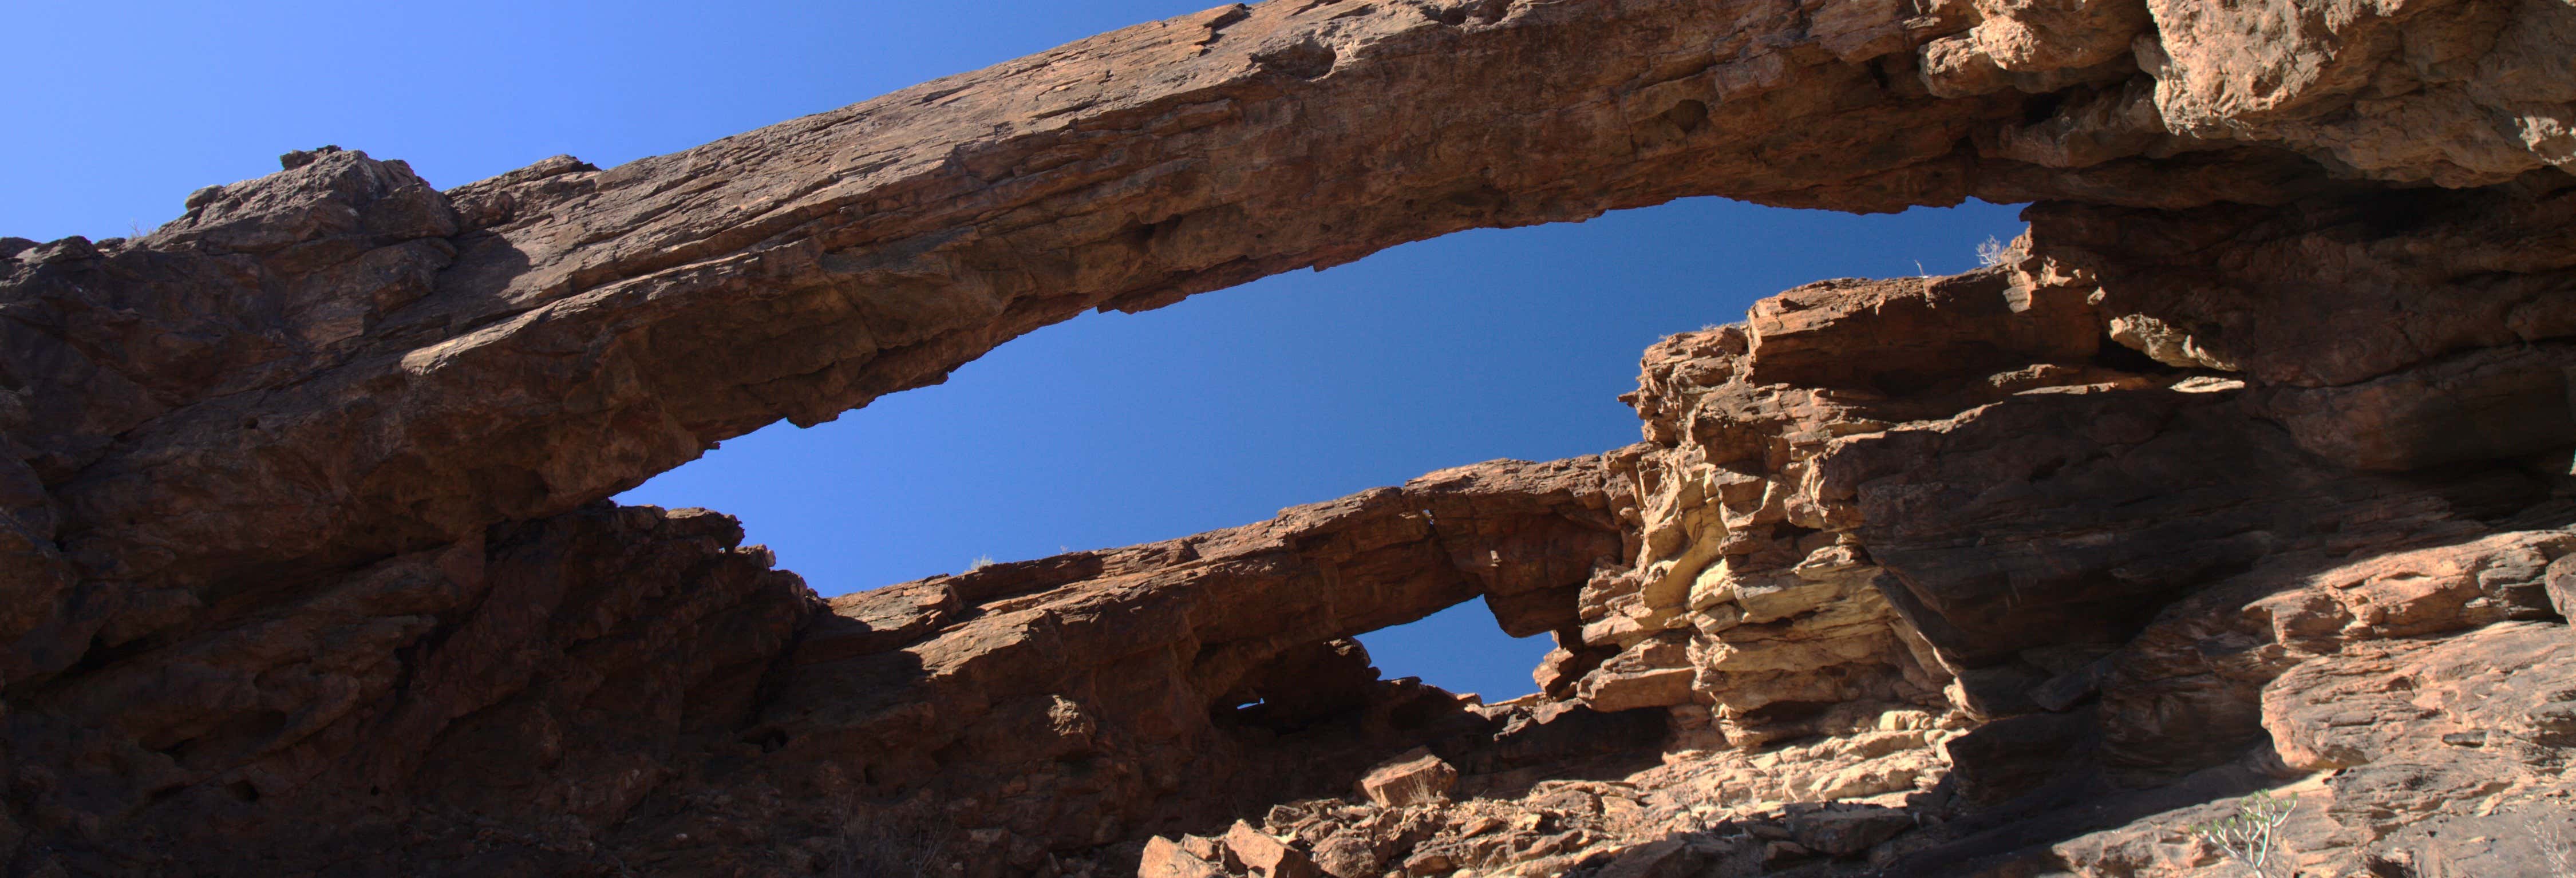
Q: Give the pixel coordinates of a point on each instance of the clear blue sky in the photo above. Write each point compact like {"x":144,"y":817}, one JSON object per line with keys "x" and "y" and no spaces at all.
{"x":1103,"y":431}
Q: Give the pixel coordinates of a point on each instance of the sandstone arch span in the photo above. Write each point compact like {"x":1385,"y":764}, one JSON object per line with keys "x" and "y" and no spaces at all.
{"x":298,"y":523}
{"x":803,"y":269}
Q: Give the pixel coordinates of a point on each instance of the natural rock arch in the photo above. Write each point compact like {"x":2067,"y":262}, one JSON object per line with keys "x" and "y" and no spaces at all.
{"x":300,"y":548}
{"x":800,"y":270}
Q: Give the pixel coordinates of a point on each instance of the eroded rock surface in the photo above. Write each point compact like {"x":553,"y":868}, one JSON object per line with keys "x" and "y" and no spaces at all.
{"x":2248,"y":467}
{"x":641,"y":313}
{"x":2008,"y":564}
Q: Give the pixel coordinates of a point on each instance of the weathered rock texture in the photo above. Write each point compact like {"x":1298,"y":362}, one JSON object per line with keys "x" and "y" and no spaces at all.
{"x":2248,"y":466}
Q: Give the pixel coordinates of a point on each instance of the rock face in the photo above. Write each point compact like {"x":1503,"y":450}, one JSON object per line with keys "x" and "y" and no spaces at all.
{"x":2248,"y":467}
{"x":524,"y":691}
{"x":1412,"y":779}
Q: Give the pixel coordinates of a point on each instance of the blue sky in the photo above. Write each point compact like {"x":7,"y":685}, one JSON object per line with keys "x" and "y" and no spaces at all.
{"x":1106,"y":430}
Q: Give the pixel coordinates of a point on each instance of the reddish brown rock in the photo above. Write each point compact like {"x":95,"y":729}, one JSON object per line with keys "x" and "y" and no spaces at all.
{"x":2256,"y":450}
{"x":1412,"y":779}
{"x":2561,"y":585}
{"x":1265,"y":857}
{"x":552,"y":676}
{"x":1165,"y":859}
{"x":809,"y":267}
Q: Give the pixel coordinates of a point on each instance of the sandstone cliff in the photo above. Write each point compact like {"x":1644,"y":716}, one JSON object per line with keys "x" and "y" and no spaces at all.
{"x":2248,"y":468}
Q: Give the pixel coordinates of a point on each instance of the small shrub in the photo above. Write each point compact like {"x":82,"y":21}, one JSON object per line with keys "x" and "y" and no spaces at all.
{"x":1993,"y":252}
{"x":980,"y":562}
{"x":2246,"y":835}
{"x":904,"y":841}
{"x":2551,"y":836}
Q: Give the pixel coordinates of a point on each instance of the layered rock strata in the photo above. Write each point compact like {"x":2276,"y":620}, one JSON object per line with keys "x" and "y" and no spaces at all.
{"x":2248,"y":467}
{"x":2052,"y":589}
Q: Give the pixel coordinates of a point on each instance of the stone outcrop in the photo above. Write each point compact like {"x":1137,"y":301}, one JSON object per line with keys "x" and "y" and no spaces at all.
{"x":2248,"y":467}
{"x":1412,"y":779}
{"x":522,"y":692}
